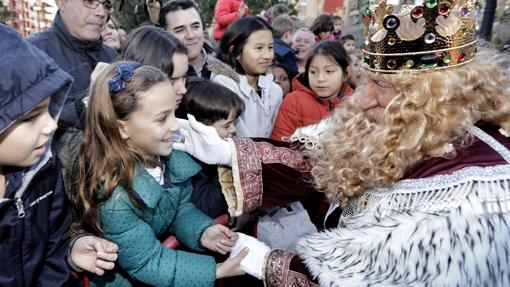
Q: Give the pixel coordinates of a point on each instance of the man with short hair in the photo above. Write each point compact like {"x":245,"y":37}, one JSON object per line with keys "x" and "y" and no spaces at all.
{"x":302,"y":43}
{"x":182,"y":19}
{"x":74,"y":42}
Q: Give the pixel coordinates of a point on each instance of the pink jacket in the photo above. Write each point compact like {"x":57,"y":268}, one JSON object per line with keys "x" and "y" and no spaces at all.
{"x":225,"y":12}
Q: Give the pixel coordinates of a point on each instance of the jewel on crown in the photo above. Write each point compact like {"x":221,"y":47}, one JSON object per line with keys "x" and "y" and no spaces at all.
{"x":436,"y":34}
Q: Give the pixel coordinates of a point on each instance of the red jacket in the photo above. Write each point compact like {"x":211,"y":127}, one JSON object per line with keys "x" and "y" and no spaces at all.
{"x":302,"y":107}
{"x":225,"y":12}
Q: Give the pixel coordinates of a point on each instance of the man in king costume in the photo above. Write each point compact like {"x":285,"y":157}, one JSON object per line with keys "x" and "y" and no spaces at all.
{"x":417,"y":162}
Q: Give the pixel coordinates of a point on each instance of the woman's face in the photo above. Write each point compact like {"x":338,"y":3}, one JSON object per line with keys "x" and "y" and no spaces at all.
{"x":178,"y":79}
{"x":257,"y":54}
{"x":281,"y":78}
{"x":325,"y":77}
{"x":111,"y":35}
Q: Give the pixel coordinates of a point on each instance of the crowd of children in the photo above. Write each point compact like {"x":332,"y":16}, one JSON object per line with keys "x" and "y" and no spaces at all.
{"x":127,"y":189}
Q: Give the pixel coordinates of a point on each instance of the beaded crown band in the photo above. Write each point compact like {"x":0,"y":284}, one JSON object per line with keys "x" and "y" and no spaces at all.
{"x":434,"y":35}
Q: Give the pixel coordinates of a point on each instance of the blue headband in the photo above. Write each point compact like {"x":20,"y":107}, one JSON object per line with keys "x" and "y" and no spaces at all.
{"x":124,"y":73}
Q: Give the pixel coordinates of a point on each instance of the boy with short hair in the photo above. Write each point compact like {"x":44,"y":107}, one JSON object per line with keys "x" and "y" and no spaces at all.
{"x":283,"y":29}
{"x":213,"y":105}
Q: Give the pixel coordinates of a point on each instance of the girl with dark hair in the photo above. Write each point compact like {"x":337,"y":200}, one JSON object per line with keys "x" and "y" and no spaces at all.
{"x":317,"y":92}
{"x":216,"y":106}
{"x":155,"y":47}
{"x":245,"y":55}
{"x":323,"y":28}
{"x":134,"y":189}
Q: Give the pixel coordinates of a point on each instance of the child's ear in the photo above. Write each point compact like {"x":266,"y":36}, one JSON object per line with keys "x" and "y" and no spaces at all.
{"x":287,"y":36}
{"x":123,"y":129}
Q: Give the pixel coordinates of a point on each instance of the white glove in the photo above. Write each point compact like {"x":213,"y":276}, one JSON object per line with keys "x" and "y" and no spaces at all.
{"x":203,"y":142}
{"x":253,"y":263}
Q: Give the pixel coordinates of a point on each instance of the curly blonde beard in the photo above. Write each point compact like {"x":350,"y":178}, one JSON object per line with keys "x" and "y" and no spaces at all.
{"x":375,"y":148}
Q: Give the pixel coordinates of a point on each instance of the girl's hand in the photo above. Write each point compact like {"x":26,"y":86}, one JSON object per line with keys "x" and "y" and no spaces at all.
{"x":94,"y":254}
{"x":232,"y":266}
{"x":219,"y":238}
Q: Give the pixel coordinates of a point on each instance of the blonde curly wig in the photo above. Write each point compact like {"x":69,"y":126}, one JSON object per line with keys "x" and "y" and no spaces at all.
{"x":429,"y":113}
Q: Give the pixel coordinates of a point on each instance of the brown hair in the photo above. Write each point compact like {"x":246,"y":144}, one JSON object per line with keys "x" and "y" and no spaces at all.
{"x":105,"y":159}
{"x":323,"y":23}
{"x":430,"y":111}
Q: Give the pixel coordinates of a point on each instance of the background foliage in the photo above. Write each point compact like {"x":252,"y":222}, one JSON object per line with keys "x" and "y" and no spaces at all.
{"x":133,"y":11}
{"x":5,"y":14}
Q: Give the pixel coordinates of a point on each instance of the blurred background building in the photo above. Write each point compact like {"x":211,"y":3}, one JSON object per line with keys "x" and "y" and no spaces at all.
{"x":27,"y":16}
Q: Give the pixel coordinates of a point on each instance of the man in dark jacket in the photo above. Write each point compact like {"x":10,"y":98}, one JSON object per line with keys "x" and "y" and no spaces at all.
{"x":182,"y":19}
{"x":34,"y":212}
{"x":74,"y":42}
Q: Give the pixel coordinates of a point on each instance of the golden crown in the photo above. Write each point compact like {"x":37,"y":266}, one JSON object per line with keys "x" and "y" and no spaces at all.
{"x":435,"y":35}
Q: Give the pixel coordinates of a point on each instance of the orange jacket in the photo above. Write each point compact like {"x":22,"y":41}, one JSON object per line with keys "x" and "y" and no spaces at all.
{"x":302,"y":107}
{"x":225,"y":12}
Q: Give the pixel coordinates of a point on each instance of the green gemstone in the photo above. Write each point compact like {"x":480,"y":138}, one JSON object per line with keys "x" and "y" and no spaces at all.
{"x":447,"y":59}
{"x":409,"y":64}
{"x":431,"y":3}
{"x":428,"y":61}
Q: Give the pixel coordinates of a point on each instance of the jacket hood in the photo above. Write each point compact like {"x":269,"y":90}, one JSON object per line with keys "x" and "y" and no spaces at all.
{"x":29,"y":76}
{"x":217,"y":67}
{"x":298,"y":85}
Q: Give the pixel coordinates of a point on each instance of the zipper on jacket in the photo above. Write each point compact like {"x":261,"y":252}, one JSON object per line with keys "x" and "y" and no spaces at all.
{"x":21,"y":209}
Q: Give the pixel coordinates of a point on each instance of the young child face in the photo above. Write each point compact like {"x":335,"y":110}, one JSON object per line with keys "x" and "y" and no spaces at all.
{"x":355,"y":71}
{"x":337,"y":26}
{"x":257,"y":53}
{"x":350,"y":47}
{"x":226,"y":128}
{"x":23,"y":143}
{"x":325,"y":77}
{"x":151,"y":126}
{"x":324,"y":35}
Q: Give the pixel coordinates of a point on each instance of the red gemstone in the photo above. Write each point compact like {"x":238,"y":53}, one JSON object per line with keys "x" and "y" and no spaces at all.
{"x":417,"y":12}
{"x":462,"y":57}
{"x":444,"y":8}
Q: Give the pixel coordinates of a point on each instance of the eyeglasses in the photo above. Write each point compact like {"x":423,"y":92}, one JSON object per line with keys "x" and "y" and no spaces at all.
{"x":93,"y":4}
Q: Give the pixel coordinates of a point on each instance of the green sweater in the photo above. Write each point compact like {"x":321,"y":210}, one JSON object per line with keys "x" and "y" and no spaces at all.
{"x":142,"y":258}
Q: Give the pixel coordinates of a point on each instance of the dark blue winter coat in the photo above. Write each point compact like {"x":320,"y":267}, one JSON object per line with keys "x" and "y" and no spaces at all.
{"x":286,"y":56}
{"x":76,"y":57}
{"x":34,"y":213}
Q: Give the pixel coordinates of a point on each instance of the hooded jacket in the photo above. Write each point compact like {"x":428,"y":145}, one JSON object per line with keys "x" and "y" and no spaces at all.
{"x":302,"y":107}
{"x":34,"y":213}
{"x":260,"y":110}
